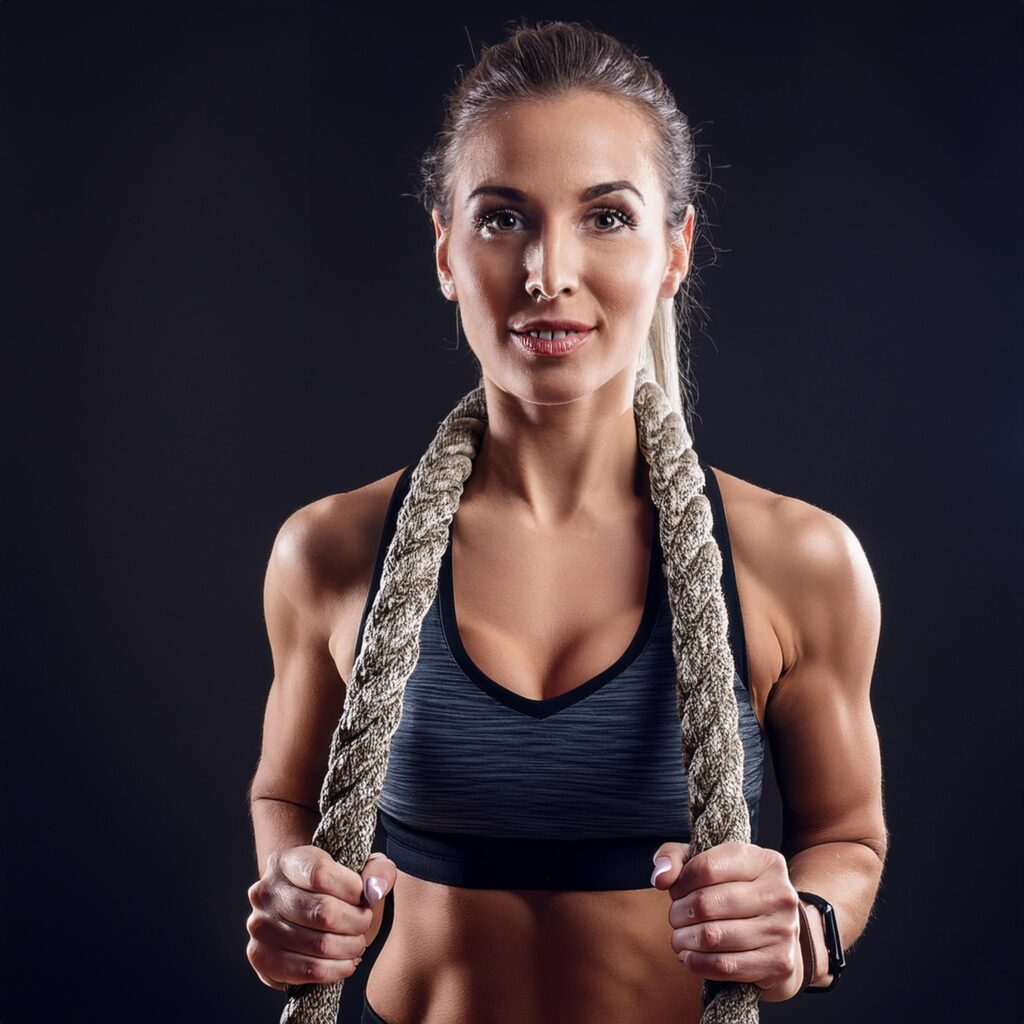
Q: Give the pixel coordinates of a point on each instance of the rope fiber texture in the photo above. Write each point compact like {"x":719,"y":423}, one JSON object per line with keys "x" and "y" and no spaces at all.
{"x":712,"y":751}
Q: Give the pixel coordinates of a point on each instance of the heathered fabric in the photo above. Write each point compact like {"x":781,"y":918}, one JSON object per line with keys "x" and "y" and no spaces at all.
{"x":710,"y":744}
{"x":601,"y":761}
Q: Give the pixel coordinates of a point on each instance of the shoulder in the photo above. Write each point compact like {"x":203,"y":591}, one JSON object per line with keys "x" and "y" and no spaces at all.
{"x":327,"y":547}
{"x":811,"y":570}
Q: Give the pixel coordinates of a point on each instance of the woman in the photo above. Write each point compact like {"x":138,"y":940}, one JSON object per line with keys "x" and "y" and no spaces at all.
{"x":562,"y":536}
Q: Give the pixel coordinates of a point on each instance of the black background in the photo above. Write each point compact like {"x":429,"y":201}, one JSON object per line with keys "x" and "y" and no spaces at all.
{"x":220,"y":304}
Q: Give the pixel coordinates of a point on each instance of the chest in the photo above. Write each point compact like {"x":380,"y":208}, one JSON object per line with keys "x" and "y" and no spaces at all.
{"x":543,"y":615}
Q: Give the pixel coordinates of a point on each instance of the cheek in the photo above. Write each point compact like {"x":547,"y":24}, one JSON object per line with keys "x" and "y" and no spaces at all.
{"x":624,"y":286}
{"x":486,"y":276}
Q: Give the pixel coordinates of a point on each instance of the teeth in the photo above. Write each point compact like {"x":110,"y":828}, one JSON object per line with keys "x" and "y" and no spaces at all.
{"x":548,"y":335}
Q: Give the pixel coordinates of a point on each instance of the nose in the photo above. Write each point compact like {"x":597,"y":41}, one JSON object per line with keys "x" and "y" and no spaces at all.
{"x":550,"y":265}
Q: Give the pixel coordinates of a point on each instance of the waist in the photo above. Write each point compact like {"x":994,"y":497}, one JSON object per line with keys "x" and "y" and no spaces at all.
{"x":477,"y":862}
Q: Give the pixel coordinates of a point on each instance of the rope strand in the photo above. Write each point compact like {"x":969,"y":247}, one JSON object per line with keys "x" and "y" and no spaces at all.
{"x":712,"y":750}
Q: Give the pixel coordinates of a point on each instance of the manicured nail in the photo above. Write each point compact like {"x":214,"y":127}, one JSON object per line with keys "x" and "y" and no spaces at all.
{"x":661,"y":865}
{"x":374,"y":889}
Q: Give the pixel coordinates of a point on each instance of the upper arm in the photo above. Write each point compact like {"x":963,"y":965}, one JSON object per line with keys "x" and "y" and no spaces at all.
{"x":307,"y":694}
{"x":822,"y":732}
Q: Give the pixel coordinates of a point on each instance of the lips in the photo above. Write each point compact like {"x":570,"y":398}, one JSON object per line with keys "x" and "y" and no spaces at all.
{"x":551,"y":346}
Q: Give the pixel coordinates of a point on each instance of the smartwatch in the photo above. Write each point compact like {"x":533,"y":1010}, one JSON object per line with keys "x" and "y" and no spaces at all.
{"x":836,"y":956}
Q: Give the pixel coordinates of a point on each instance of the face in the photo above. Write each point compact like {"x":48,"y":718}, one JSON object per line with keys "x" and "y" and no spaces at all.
{"x":536,"y":233}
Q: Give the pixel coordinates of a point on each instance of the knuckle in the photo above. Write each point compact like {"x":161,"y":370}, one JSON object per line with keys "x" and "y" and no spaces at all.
{"x":788,"y":961}
{"x":254,"y":953}
{"x":322,"y":944}
{"x":317,"y":875}
{"x":710,"y":935}
{"x":313,"y":971}
{"x":317,"y":913}
{"x":257,"y":893}
{"x":704,"y":903}
{"x":254,"y":924}
{"x":723,"y":964}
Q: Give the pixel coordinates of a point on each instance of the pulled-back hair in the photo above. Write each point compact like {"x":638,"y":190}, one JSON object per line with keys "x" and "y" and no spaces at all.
{"x":550,"y":60}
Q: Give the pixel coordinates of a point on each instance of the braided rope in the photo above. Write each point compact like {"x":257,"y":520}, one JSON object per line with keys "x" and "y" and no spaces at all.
{"x":712,"y":750}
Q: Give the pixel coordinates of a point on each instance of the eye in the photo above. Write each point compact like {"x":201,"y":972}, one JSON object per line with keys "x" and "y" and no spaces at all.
{"x":487,"y":220}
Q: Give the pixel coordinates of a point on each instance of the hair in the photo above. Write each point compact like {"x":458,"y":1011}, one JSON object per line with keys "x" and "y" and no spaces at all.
{"x":550,"y":60}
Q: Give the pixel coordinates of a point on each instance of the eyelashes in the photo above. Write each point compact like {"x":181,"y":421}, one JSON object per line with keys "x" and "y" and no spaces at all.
{"x":485,"y":221}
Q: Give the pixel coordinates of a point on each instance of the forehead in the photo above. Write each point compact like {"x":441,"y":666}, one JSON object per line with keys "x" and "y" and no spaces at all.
{"x":555,"y":146}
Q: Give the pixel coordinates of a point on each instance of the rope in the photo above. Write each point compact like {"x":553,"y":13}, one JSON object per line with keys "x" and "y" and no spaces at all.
{"x":712,"y":750}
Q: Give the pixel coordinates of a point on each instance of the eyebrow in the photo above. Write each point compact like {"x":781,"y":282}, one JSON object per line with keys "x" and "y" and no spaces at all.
{"x":518,"y":196}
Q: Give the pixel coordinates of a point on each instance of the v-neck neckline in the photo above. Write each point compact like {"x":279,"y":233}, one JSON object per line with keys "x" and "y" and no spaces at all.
{"x":551,"y":705}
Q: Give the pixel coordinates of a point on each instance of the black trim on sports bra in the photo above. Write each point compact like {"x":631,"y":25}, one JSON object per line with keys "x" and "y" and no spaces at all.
{"x":720,"y":529}
{"x":551,"y":705}
{"x":387,"y":532}
{"x":737,"y":638}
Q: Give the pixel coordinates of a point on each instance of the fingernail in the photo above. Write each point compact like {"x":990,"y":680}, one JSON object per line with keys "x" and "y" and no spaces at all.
{"x":374,"y":889}
{"x":358,"y":960}
{"x":661,"y":865}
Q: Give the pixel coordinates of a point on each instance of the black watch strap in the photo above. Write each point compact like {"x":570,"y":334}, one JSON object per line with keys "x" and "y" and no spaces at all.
{"x":834,"y":945}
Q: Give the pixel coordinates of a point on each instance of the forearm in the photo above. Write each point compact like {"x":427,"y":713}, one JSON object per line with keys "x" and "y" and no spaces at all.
{"x":848,"y":876}
{"x":278,"y":824}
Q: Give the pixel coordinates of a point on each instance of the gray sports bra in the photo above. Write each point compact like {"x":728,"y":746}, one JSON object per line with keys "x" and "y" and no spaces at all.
{"x":488,"y":789}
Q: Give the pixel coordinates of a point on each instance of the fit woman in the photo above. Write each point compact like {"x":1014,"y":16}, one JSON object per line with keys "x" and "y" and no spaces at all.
{"x":535,"y":774}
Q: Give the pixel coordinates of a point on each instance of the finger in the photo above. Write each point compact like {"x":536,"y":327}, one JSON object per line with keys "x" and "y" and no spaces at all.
{"x":668,"y":861}
{"x":729,"y":935}
{"x":309,"y":867}
{"x":319,"y":911}
{"x":296,"y":969}
{"x":256,"y":960}
{"x":727,"y":900}
{"x":278,"y":934}
{"x":726,"y":862}
{"x":378,"y":877}
{"x":753,"y":965}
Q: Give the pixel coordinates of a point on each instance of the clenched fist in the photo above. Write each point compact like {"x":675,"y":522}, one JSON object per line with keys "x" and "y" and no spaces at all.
{"x":734,"y":914}
{"x":313,"y":918}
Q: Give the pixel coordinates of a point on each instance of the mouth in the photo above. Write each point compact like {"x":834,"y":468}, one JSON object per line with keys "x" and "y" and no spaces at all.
{"x":551,"y":343}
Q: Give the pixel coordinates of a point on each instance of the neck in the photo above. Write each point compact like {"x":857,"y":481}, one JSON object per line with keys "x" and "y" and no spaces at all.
{"x":551,"y":463}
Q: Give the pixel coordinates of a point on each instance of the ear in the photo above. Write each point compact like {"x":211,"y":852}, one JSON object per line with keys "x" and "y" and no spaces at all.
{"x":444,"y":273}
{"x":680,"y":253}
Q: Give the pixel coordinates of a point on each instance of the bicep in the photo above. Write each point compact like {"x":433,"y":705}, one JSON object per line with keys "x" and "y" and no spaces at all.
{"x":820,"y":725}
{"x":307,"y":694}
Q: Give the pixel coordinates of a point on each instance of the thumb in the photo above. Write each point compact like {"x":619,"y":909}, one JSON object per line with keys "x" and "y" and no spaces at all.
{"x":379,"y":875}
{"x":668,"y":863}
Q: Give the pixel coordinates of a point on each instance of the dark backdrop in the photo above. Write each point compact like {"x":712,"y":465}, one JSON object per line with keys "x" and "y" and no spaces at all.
{"x":220,"y":304}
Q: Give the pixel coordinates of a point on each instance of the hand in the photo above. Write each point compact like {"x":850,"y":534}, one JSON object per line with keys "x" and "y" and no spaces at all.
{"x":311,"y":915}
{"x":735,"y":915}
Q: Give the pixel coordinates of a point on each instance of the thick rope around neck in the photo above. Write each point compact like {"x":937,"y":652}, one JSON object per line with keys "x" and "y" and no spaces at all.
{"x":712,"y":750}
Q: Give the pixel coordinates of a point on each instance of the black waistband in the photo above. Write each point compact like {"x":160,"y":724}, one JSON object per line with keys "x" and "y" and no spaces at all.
{"x":565,"y":865}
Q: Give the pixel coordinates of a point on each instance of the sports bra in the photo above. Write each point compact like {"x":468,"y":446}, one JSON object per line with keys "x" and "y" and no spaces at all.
{"x":488,"y":789}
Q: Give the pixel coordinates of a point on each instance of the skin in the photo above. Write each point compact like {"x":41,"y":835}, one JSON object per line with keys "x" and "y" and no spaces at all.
{"x":559,"y":477}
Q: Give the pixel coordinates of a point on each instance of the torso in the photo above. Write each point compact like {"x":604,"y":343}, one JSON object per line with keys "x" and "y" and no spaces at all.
{"x":476,"y":956}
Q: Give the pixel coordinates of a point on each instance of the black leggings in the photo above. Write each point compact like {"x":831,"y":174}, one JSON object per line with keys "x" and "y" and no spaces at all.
{"x":370,"y":1015}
